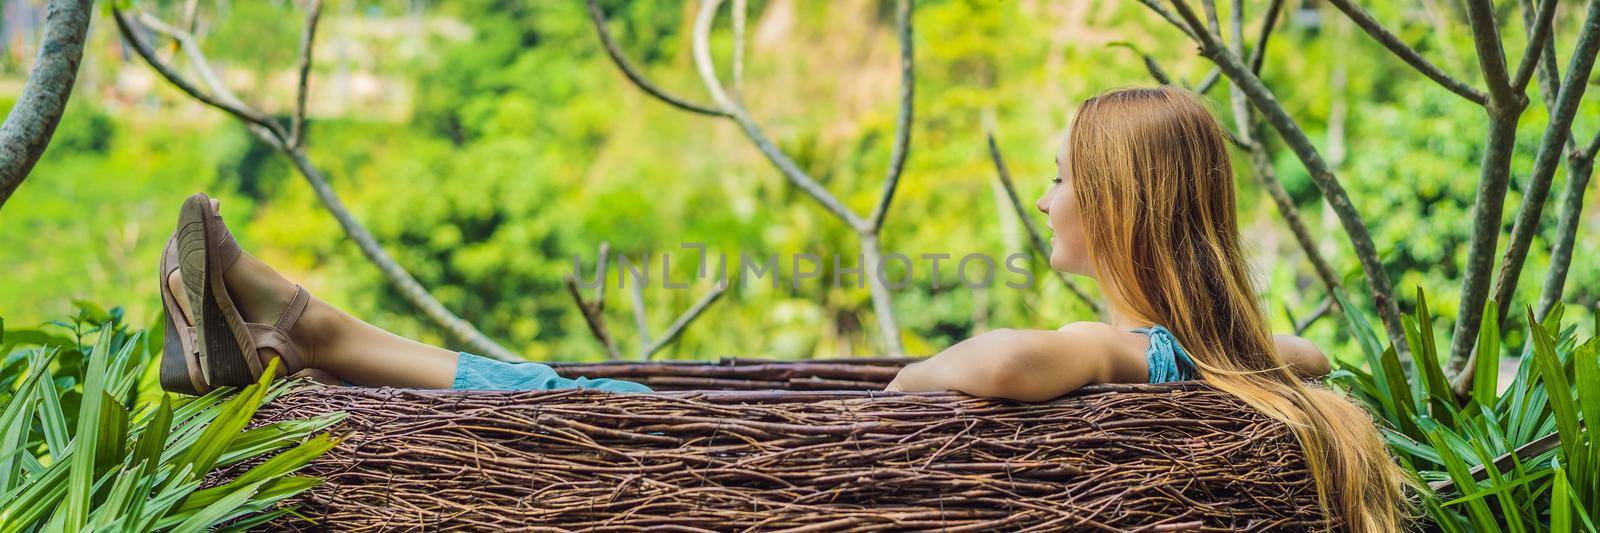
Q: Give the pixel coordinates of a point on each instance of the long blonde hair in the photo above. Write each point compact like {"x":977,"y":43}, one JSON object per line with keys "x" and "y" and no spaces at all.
{"x":1154,"y":185}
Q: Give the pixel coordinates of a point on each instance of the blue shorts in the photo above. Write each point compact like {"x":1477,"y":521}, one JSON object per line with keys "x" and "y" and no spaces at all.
{"x":475,"y":372}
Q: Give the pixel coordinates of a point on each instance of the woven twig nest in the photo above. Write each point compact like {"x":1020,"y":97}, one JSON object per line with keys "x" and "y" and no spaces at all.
{"x":1113,"y":458}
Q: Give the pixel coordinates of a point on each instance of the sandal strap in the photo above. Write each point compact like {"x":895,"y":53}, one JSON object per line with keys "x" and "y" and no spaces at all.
{"x":226,"y":248}
{"x":297,"y":307}
{"x":275,"y":337}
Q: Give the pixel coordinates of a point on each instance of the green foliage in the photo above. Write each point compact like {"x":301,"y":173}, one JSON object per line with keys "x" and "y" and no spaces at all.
{"x":1489,"y":457}
{"x":111,"y":462}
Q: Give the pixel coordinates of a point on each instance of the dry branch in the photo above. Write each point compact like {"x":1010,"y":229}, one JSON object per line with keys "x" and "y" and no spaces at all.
{"x":308,"y":38}
{"x":599,"y":19}
{"x":1261,"y":160}
{"x":274,"y":134}
{"x":1552,"y":146}
{"x":1406,"y":53}
{"x":1108,"y":458}
{"x":728,"y":105}
{"x":594,"y":312}
{"x":33,"y":118}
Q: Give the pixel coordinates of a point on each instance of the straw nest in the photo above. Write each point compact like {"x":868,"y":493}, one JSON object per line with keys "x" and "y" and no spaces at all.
{"x":803,"y":446}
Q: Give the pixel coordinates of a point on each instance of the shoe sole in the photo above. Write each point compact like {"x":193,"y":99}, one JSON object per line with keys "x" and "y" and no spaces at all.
{"x":220,"y":328}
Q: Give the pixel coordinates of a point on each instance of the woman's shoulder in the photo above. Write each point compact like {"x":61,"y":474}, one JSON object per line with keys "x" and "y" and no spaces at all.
{"x":1123,"y":350}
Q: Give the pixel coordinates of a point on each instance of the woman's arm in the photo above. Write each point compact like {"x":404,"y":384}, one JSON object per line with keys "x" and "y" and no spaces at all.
{"x":1303,"y":356}
{"x":1027,"y":365}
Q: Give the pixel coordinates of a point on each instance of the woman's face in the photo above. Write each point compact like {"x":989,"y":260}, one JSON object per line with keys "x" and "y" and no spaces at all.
{"x":1067,"y":250}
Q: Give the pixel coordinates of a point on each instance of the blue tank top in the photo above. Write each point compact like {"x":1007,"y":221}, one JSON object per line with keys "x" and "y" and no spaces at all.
{"x":1166,"y":359}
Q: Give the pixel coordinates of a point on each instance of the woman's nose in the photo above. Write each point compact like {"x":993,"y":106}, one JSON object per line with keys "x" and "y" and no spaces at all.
{"x":1043,"y":203}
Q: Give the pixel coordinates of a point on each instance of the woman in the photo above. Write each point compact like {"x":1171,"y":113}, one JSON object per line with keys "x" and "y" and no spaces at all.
{"x":246,"y":307}
{"x":1143,"y":203}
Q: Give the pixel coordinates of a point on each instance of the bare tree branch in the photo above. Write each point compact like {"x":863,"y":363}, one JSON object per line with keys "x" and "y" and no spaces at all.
{"x":33,"y":118}
{"x":1504,"y":110}
{"x":1539,"y":34}
{"x":640,"y":321}
{"x":1551,"y":147}
{"x":1155,"y":5}
{"x":1321,"y":174}
{"x":1150,"y":64}
{"x":219,"y":98}
{"x":882,"y":301}
{"x":729,"y":105}
{"x":1491,"y":55}
{"x":708,"y":75}
{"x":1258,"y":54}
{"x":1208,"y":81}
{"x":1261,"y":160}
{"x":599,"y":19}
{"x":683,"y":321}
{"x":902,"y":123}
{"x":1408,"y":54}
{"x":273,"y":134}
{"x":741,"y":10}
{"x":592,"y":316}
{"x":1322,"y":310}
{"x":1580,"y":171}
{"x":308,"y":38}
{"x":1034,"y":237}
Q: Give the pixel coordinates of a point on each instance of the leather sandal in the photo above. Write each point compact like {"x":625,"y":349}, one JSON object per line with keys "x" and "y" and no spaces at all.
{"x":180,"y":353}
{"x":232,"y":352}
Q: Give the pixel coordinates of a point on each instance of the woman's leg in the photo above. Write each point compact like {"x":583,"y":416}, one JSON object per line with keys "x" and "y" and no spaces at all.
{"x":333,"y":340}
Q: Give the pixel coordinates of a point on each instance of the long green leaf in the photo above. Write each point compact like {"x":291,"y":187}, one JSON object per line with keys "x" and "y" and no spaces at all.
{"x":1560,"y":502}
{"x":14,"y":427}
{"x":81,"y":480}
{"x":216,"y":512}
{"x":278,"y":466}
{"x":1559,"y":393}
{"x":1476,"y":507}
{"x":1486,"y":374}
{"x":51,"y":417}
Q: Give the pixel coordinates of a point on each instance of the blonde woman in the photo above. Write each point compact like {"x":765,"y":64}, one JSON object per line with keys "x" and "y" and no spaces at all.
{"x":1143,"y":202}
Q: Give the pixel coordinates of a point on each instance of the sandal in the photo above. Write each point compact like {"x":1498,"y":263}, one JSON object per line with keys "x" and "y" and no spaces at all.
{"x":233,"y":352}
{"x":180,"y":354}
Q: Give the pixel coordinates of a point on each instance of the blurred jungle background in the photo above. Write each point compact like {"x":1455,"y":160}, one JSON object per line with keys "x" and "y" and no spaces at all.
{"x":486,"y":143}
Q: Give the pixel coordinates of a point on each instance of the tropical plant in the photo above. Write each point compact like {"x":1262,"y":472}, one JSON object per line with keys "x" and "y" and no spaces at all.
{"x":1518,"y":459}
{"x":78,"y":451}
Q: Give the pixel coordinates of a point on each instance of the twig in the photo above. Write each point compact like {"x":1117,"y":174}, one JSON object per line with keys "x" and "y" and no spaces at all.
{"x":902,"y":123}
{"x":1039,"y":246}
{"x":273,"y":134}
{"x":1322,"y":310}
{"x":741,"y":11}
{"x":1261,"y":161}
{"x":598,"y":17}
{"x":1540,"y":33}
{"x":727,"y":105}
{"x":1406,"y":53}
{"x":683,"y":321}
{"x":1579,"y":173}
{"x":591,"y":316}
{"x":307,"y":40}
{"x":1491,"y":54}
{"x":639,"y":318}
{"x":1208,"y":81}
{"x":33,"y":118}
